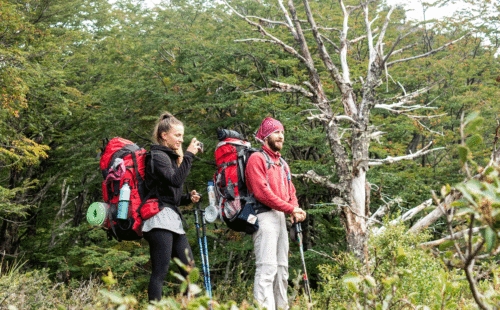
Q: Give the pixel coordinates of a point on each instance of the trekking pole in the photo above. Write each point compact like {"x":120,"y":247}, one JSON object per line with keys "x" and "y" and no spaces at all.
{"x":197,"y":222}
{"x":206,"y":255}
{"x":306,"y":281}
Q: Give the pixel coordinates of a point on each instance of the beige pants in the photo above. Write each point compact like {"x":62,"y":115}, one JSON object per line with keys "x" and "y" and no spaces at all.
{"x":271,"y":253}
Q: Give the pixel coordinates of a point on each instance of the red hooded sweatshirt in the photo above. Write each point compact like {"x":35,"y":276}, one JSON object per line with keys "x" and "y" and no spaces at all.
{"x":280,"y":195}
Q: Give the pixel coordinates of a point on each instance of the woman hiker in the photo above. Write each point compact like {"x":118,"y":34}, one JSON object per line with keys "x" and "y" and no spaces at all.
{"x":166,"y":174}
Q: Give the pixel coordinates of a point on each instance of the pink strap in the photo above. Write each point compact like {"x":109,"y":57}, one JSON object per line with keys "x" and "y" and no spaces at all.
{"x":118,"y":174}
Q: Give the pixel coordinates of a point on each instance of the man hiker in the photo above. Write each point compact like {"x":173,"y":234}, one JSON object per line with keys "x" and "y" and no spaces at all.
{"x":268,"y":178}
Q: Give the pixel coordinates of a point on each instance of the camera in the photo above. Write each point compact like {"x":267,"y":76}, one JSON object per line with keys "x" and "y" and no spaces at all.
{"x":201,"y":146}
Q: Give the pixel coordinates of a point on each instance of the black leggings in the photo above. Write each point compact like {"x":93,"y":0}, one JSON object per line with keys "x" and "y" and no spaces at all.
{"x":163,"y":245}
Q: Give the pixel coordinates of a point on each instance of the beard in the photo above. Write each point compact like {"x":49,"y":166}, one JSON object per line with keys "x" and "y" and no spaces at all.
{"x":275,"y":144}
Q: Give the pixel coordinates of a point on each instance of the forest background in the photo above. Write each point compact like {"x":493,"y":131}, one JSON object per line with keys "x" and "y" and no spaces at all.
{"x":74,"y":72}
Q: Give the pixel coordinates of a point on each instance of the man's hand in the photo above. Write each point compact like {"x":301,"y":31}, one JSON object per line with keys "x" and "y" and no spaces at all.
{"x":298,"y":215}
{"x":195,"y":197}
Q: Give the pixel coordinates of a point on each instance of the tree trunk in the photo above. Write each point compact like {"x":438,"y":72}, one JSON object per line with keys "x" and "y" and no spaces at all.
{"x":355,"y":222}
{"x":355,"y":196}
{"x":415,"y":141}
{"x":3,"y":236}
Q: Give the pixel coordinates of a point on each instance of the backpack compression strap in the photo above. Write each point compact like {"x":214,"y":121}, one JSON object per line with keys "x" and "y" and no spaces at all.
{"x":140,"y":180}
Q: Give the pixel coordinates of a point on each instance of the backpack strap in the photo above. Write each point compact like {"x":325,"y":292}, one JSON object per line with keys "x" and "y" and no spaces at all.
{"x":105,"y":142}
{"x":230,"y":163}
{"x":270,"y":163}
{"x":237,"y":142}
{"x":268,"y":159}
{"x":241,"y":160}
{"x":152,"y":162}
{"x":140,"y":180}
{"x":286,"y":170}
{"x":110,"y":218}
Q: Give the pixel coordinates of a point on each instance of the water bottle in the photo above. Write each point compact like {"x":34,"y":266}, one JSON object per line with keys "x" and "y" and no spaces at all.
{"x":211,"y":194}
{"x":211,"y":212}
{"x":123,"y":201}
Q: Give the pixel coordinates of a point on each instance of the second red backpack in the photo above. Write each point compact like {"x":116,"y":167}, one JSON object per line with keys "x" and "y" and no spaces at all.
{"x":122,"y":161}
{"x":236,"y":204}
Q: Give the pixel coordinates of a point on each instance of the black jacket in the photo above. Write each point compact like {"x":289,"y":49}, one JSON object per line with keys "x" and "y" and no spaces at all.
{"x":165,"y":176}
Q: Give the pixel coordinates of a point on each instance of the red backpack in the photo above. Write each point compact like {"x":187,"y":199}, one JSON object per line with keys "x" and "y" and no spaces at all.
{"x":123,"y":161}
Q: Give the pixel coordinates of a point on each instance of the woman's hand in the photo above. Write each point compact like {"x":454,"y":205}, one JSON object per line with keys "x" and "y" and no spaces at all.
{"x":195,"y":196}
{"x":194,"y":146}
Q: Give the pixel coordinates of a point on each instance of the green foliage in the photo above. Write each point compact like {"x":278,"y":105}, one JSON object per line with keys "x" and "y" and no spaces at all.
{"x":33,"y":289}
{"x":398,"y":274}
{"x":477,"y":209}
{"x":8,"y":204}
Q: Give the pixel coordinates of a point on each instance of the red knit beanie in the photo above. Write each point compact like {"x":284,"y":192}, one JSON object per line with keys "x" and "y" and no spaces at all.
{"x":268,"y":126}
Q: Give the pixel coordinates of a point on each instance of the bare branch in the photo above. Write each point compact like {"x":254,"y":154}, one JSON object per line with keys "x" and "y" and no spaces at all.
{"x":428,"y":53}
{"x":337,"y":49}
{"x":322,"y":254}
{"x":390,"y":159}
{"x":275,"y":22}
{"x":414,"y":211}
{"x":344,"y":42}
{"x":353,"y":41}
{"x":384,"y":29}
{"x":425,"y":116}
{"x":400,"y":50}
{"x":435,"y":214}
{"x":462,"y":138}
{"x":455,"y":236}
{"x":362,"y":216}
{"x":314,"y":77}
{"x":369,"y":36}
{"x":325,"y":28}
{"x":402,"y":107}
{"x":406,"y":216}
{"x":60,"y":213}
{"x":289,"y":21}
{"x":275,"y":41}
{"x":44,"y":190}
{"x":376,"y":135}
{"x":290,"y":88}
{"x":382,"y":211}
{"x":312,"y":176}
{"x":470,"y":278}
{"x":416,"y":119}
{"x":398,"y":40}
{"x":334,"y":72}
{"x":328,"y":118}
{"x":312,"y":89}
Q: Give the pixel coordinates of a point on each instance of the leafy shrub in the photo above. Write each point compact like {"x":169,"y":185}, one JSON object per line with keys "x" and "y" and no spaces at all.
{"x":399,"y":274}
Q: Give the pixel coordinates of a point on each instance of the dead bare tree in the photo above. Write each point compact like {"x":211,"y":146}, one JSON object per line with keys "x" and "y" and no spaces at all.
{"x":60,"y":214}
{"x":351,"y":157}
